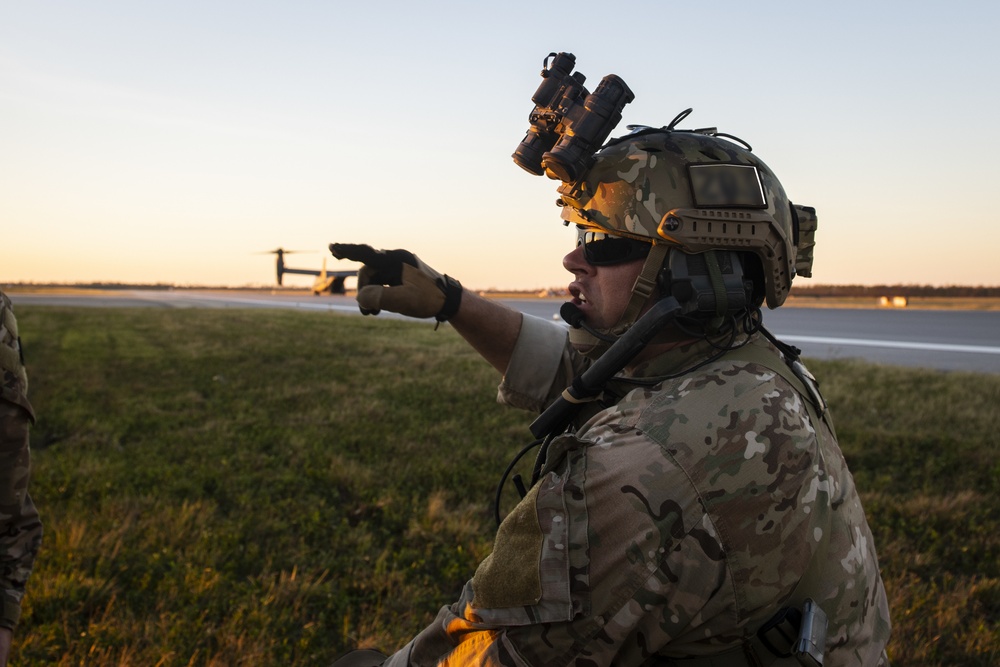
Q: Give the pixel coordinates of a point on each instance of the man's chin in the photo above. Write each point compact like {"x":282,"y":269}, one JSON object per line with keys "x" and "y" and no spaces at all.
{"x":586,"y":343}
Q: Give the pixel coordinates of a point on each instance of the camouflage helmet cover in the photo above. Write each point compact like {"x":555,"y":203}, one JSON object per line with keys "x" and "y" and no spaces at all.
{"x":667,"y":185}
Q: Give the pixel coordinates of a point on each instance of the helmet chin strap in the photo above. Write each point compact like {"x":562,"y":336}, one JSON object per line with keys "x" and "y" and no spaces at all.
{"x":593,"y":347}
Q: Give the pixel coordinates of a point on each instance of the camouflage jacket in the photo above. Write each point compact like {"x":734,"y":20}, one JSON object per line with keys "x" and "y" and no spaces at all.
{"x":671,"y":524}
{"x":20,"y":529}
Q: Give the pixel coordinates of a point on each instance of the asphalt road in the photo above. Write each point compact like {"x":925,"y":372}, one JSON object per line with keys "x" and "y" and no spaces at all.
{"x":939,"y":339}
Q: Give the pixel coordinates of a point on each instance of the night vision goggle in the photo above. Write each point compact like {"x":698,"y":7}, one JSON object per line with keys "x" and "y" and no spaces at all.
{"x":569,"y":123}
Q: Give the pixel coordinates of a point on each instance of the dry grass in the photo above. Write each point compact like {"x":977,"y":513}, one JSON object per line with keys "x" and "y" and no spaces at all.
{"x":272,"y":488}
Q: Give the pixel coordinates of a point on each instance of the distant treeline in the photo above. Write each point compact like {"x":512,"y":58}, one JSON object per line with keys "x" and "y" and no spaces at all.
{"x":876,"y":291}
{"x":873,"y":291}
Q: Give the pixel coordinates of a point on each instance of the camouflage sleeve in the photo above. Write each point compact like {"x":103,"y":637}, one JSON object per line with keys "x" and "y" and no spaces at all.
{"x":20,"y":529}
{"x":14,"y":385}
{"x":543,"y":364}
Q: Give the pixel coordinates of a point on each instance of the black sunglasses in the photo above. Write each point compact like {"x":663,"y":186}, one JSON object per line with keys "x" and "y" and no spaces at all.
{"x":601,"y":249}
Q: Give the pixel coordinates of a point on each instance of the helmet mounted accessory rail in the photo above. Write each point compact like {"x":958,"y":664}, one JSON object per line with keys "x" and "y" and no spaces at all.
{"x":695,"y":190}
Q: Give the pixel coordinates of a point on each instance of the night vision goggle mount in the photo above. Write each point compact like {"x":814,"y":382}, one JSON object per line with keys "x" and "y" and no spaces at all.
{"x":569,"y":123}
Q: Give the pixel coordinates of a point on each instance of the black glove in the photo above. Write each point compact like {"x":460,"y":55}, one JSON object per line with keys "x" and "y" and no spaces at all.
{"x":398,"y":281}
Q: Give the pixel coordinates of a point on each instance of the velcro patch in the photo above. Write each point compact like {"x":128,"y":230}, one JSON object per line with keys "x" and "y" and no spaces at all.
{"x":511,"y":575}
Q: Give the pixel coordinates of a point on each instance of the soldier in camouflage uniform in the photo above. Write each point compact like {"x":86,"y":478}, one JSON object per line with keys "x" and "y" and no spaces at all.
{"x":20,"y":529}
{"x":704,"y":493}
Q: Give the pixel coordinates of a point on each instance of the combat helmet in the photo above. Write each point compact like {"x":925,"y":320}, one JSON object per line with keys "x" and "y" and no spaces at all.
{"x":702,"y":200}
{"x":696,"y":191}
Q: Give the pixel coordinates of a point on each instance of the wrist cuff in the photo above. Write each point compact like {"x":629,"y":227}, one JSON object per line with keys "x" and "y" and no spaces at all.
{"x":452,"y":299}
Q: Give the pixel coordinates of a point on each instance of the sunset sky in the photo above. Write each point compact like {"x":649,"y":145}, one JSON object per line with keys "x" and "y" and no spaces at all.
{"x":173,"y":142}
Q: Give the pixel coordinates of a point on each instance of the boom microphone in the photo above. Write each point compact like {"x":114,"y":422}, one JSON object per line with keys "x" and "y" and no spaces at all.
{"x":591,"y":382}
{"x":573,"y":316}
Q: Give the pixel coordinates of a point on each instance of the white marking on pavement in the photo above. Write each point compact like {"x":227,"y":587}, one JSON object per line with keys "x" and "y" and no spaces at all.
{"x":894,"y":344}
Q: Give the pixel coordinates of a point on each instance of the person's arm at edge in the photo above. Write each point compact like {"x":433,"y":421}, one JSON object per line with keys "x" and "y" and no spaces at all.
{"x":6,"y":638}
{"x":490,"y":327}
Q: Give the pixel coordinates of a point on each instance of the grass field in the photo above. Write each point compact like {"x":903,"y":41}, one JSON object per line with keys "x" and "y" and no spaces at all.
{"x":236,"y":487}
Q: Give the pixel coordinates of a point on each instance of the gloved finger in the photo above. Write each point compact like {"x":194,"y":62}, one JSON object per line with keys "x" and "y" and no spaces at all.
{"x":384,"y":260}
{"x":386,"y":265}
{"x":379,"y":267}
{"x":369,"y":299}
{"x":367,"y":276}
{"x":356,"y":252}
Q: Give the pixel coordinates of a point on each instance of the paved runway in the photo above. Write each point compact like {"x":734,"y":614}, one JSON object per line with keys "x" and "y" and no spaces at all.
{"x":940,"y":339}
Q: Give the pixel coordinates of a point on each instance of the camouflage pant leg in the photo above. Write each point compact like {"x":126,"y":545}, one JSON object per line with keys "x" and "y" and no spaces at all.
{"x":20,"y":528}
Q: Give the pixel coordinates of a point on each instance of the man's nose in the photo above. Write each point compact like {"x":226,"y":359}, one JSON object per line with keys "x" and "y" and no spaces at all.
{"x":574,"y":261}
